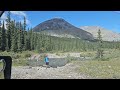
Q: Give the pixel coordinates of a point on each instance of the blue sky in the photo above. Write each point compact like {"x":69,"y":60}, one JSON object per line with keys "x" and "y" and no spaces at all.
{"x":106,"y":19}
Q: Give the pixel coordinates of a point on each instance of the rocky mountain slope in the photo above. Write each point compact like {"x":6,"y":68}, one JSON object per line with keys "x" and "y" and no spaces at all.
{"x":107,"y":35}
{"x":61,"y":28}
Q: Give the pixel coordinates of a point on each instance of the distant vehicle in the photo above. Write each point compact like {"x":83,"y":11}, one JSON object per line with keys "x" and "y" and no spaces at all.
{"x":7,"y":62}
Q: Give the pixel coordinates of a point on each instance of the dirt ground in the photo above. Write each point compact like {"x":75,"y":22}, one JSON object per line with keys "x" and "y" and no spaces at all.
{"x":64,"y":72}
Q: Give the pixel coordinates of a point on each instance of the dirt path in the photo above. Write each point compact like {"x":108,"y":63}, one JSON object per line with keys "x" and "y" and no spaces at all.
{"x":65,"y":72}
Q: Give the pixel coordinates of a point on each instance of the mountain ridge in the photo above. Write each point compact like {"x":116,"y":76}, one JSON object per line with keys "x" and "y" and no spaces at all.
{"x":61,"y":27}
{"x":107,"y":35}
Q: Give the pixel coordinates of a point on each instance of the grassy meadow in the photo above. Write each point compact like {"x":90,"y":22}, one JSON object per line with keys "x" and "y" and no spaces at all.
{"x":107,"y":68}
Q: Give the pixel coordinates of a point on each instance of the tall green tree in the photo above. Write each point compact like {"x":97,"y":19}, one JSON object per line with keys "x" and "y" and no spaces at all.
{"x":31,"y":39}
{"x":0,"y":36}
{"x":24,"y":35}
{"x":20,"y":45}
{"x":3,"y":38}
{"x":14,"y":37}
{"x":8,"y":34}
{"x":100,"y":43}
{"x":28,"y":38}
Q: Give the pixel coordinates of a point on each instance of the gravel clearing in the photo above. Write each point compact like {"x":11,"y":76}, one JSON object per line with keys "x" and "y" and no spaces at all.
{"x":59,"y":69}
{"x":64,"y":72}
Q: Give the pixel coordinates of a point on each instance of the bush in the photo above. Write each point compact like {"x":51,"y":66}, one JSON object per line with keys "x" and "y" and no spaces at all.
{"x":42,"y":50}
{"x":69,"y":58}
{"x":102,"y":59}
{"x":58,"y":54}
{"x":27,"y":55}
{"x":16,"y":56}
{"x":20,"y":62}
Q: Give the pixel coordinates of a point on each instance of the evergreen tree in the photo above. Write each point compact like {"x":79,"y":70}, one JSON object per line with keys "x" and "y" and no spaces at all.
{"x":38,"y":44}
{"x":24,"y":35}
{"x":31,"y":39}
{"x":28,"y":40}
{"x":0,"y":36}
{"x":14,"y":37}
{"x":20,"y":38}
{"x":25,"y":40}
{"x":100,"y":43}
{"x":8,"y":34}
{"x":3,"y":38}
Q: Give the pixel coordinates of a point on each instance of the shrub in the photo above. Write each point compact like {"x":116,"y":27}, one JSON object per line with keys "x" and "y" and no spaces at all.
{"x":58,"y":54}
{"x":27,"y":55}
{"x":42,"y":50}
{"x":16,"y":56}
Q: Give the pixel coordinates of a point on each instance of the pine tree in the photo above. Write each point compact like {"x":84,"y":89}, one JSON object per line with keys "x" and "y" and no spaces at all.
{"x":14,"y":37}
{"x":35,"y":40}
{"x":20,"y":38}
{"x":29,"y":40}
{"x":3,"y":38}
{"x":38,"y":44}
{"x":0,"y":36}
{"x":25,"y":40}
{"x":100,"y":43}
{"x":8,"y":34}
{"x":24,"y":35}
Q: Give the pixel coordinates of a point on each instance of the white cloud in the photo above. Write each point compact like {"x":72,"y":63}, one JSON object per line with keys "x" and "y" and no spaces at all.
{"x":4,"y":16}
{"x":27,"y":22}
{"x":19,"y":13}
{"x":4,"y":23}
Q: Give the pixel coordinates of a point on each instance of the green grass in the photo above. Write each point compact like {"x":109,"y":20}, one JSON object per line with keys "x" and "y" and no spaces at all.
{"x":100,"y":69}
{"x":1,"y":75}
{"x":88,"y":54}
{"x":108,"y":68}
{"x":19,"y":59}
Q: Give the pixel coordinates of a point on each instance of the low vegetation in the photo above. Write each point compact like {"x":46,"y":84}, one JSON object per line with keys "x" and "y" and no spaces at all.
{"x":101,"y":69}
{"x":18,"y":59}
{"x":108,"y":68}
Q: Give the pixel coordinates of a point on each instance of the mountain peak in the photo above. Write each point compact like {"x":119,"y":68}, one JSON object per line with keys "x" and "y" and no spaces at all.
{"x":57,"y":19}
{"x":56,"y":23}
{"x":60,"y":26}
{"x":60,"y":18}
